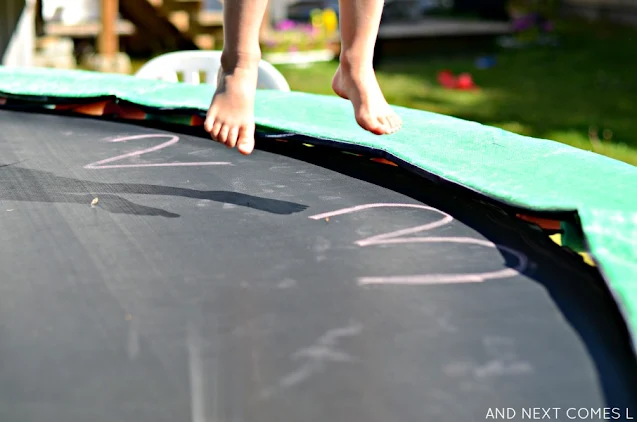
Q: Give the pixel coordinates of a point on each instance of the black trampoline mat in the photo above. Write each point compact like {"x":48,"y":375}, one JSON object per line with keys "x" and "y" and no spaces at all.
{"x":296,"y":284}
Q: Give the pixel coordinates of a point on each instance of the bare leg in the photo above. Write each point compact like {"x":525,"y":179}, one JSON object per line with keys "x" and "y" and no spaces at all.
{"x":230,"y":119}
{"x":355,"y":78}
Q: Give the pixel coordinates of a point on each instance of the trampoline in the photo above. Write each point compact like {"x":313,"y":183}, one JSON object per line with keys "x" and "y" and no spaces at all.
{"x":149,"y":274}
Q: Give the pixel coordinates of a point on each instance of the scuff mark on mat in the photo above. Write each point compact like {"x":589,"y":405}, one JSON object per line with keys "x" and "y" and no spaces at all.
{"x":316,"y":358}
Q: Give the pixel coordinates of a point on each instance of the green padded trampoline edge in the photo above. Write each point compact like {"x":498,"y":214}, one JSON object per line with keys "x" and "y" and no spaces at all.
{"x":529,"y":173}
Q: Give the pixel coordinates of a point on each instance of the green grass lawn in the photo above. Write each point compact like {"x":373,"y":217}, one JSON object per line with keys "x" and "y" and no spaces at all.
{"x":582,"y":93}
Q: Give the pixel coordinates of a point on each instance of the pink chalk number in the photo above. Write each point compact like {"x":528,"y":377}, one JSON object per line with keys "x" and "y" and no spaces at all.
{"x":172,"y":140}
{"x":398,"y":237}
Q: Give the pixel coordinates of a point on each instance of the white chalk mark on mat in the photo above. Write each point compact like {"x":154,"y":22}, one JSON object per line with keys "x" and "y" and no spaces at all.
{"x":178,"y":164}
{"x":133,"y":342}
{"x":199,"y":151}
{"x":451,"y":278}
{"x":396,"y":237}
{"x":369,"y":206}
{"x":316,"y":357}
{"x":197,"y":380}
{"x":104,"y":164}
{"x":286,"y":283}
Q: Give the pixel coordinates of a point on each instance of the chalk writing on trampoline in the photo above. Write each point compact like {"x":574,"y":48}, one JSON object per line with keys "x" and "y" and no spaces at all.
{"x":397,"y":237}
{"x":107,"y":163}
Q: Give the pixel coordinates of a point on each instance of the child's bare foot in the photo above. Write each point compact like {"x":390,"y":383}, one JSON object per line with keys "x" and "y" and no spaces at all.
{"x":359,"y":85}
{"x":230,"y":119}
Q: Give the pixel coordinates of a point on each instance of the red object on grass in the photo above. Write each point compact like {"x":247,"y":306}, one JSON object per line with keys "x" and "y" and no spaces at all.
{"x":464,"y":81}
{"x":447,"y":79}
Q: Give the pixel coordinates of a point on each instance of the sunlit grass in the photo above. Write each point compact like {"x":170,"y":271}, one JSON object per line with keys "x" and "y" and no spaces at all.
{"x":575,"y":93}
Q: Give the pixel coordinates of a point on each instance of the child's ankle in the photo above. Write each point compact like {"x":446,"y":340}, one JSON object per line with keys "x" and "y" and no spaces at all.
{"x":231,"y":60}
{"x":352,"y":61}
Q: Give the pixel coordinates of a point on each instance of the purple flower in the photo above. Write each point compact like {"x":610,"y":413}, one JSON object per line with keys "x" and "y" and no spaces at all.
{"x":521,"y":24}
{"x":285,"y":25}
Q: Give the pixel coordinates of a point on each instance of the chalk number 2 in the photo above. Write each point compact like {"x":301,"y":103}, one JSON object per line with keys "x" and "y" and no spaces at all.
{"x":403,"y":237}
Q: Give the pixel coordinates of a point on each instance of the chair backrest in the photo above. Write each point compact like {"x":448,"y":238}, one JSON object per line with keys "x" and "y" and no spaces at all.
{"x":197,"y":67}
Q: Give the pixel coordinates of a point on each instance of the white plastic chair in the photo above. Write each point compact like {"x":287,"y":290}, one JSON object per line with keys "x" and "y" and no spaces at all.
{"x":191,"y":64}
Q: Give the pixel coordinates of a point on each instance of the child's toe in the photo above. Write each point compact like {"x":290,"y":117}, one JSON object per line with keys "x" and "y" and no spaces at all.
{"x":210,"y":120}
{"x":233,"y":136}
{"x":216,"y":128}
{"x":223,"y":134}
{"x":395,"y":122}
{"x":245,"y":141}
{"x":385,"y":124}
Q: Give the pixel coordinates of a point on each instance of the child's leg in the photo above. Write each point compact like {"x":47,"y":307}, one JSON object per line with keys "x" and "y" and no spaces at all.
{"x":230,"y":119}
{"x":355,"y":78}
